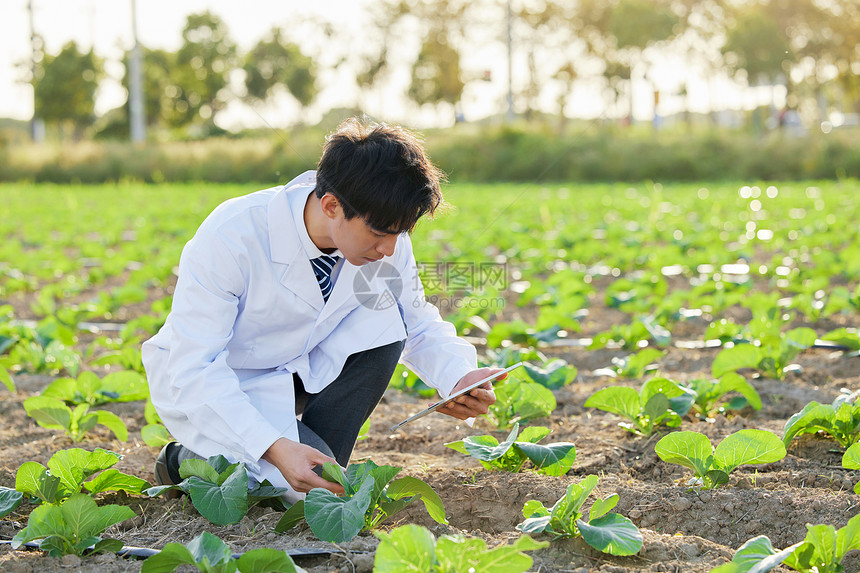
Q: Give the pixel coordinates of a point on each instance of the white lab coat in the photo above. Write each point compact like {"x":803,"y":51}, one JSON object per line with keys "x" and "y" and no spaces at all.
{"x":247,"y":313}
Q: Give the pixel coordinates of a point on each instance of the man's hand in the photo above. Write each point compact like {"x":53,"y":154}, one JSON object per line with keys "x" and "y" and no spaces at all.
{"x":477,"y":401}
{"x":296,"y":461}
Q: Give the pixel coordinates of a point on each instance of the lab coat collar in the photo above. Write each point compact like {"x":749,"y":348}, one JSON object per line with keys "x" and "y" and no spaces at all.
{"x":285,"y":243}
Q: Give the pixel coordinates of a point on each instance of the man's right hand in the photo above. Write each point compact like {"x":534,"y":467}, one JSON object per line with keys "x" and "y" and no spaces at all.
{"x":296,"y":461}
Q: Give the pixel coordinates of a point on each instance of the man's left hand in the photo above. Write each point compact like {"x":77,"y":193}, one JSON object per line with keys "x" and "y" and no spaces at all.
{"x":477,"y":401}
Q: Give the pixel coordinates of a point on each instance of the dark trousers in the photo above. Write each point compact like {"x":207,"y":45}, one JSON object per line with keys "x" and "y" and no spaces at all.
{"x":330,"y":420}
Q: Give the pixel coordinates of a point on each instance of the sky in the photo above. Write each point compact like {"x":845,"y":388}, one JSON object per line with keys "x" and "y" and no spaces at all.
{"x":106,"y":25}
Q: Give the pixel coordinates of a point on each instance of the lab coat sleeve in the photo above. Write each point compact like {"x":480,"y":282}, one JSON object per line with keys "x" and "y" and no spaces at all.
{"x":202,"y":385}
{"x":433,"y":351}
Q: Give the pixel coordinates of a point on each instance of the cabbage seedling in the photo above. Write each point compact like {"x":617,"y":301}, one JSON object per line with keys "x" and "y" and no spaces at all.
{"x":839,"y":420}
{"x":607,"y":532}
{"x":660,"y":401}
{"x":413,"y":548}
{"x":211,"y":555}
{"x":712,"y":466}
{"x":551,"y":459}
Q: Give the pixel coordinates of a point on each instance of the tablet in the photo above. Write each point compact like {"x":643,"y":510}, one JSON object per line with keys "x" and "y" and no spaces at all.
{"x":450,"y":398}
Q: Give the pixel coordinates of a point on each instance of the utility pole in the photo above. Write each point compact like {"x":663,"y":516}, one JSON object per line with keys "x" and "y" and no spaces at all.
{"x":137,"y":117}
{"x":510,"y":63}
{"x":37,"y":126}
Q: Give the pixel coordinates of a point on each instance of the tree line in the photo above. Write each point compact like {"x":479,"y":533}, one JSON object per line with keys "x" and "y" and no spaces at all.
{"x":807,"y":46}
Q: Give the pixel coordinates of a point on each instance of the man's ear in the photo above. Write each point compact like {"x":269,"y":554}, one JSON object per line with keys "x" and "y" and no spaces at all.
{"x":330,"y":205}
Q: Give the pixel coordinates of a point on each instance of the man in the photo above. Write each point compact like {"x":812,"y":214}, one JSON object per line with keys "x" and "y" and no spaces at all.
{"x":292,"y":308}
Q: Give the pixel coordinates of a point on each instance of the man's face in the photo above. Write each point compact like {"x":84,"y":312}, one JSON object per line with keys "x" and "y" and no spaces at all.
{"x":359,"y":242}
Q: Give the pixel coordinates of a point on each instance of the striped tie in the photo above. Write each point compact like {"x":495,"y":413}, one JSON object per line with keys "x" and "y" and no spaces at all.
{"x":322,"y":269}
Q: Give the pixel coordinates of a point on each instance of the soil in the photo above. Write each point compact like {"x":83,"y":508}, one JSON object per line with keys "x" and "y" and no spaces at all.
{"x":684,"y":529}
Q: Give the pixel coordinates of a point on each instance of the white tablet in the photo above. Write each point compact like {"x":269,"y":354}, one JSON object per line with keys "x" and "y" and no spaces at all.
{"x":457,"y":394}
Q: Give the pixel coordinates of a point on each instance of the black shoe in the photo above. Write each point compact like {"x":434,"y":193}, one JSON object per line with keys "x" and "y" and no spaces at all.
{"x":166,"y":459}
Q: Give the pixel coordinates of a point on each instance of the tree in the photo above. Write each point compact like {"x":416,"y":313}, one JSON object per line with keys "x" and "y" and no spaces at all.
{"x":756,"y":47}
{"x":436,"y":74}
{"x":203,"y":65}
{"x":274,"y":62}
{"x":157,"y":84}
{"x":65,"y":87}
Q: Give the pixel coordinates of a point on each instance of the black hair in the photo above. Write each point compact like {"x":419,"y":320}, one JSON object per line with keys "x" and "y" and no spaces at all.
{"x":380,"y":173}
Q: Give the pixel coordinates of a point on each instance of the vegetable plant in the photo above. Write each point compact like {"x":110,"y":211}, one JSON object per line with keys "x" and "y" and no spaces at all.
{"x":839,"y":420}
{"x":87,"y":388}
{"x":552,"y":459}
{"x":219,"y":489}
{"x":712,"y":466}
{"x":73,"y":526}
{"x":824,"y":547}
{"x":756,"y":554}
{"x":370,"y":497}
{"x":708,"y":394}
{"x":607,"y":532}
{"x":414,"y":548}
{"x":53,"y":414}
{"x":659,"y":402}
{"x":851,"y":461}
{"x":66,"y":474}
{"x":520,"y":401}
{"x":633,"y":365}
{"x":209,"y":554}
{"x":554,"y":374}
{"x":772,"y":357}
{"x":154,"y":433}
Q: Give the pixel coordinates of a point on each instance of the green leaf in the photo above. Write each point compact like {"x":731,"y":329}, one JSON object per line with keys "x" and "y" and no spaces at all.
{"x":106,"y":546}
{"x":227,"y":503}
{"x":49,"y":412}
{"x":533,"y":434}
{"x":155,"y":435}
{"x":73,"y":465}
{"x":603,"y":506}
{"x":851,"y":457}
{"x":114,"y":423}
{"x":44,"y":520}
{"x":748,"y":447}
{"x":407,"y":486}
{"x":734,"y":382}
{"x":10,"y":499}
{"x":509,"y":558}
{"x":735,"y":358}
{"x":553,"y":459}
{"x":487,"y":448}
{"x":266,"y":560}
{"x":381,"y":475}
{"x":127,"y":385}
{"x":612,"y":533}
{"x":207,"y":549}
{"x":756,"y":554}
{"x":115,"y":480}
{"x":6,"y":379}
{"x":844,"y":337}
{"x":292,"y":517}
{"x":86,"y":519}
{"x":689,"y":449}
{"x":848,"y":537}
{"x":336,"y":519}
{"x":198,"y":468}
{"x":34,"y":480}
{"x":459,"y":553}
{"x":619,"y":400}
{"x":407,"y":549}
{"x":812,"y":418}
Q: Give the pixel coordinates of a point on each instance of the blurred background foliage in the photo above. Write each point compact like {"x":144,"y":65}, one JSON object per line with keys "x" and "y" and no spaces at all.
{"x":805,"y":51}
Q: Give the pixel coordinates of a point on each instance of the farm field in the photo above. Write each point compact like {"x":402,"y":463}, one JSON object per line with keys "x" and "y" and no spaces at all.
{"x":595,"y":286}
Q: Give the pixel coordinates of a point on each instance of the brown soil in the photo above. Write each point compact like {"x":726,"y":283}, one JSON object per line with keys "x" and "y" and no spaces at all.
{"x":685,"y":530}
